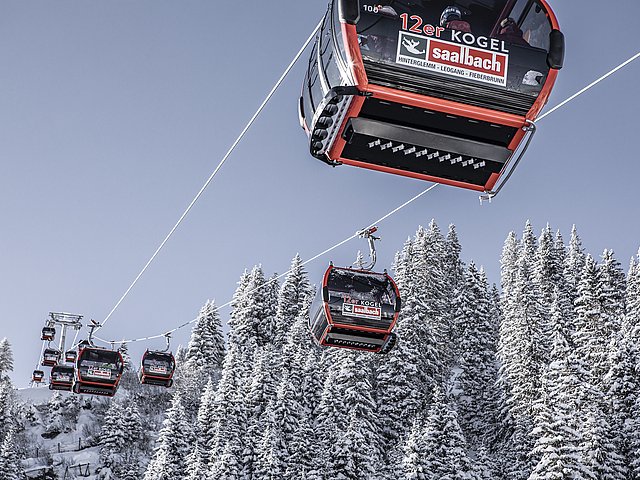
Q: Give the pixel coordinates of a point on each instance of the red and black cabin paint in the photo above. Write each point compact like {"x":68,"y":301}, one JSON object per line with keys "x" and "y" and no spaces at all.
{"x":51,"y":357}
{"x":62,"y":377}
{"x":48,"y":334}
{"x":71,"y":356}
{"x":98,"y":371}
{"x":37,"y":376}
{"x":389,"y":89}
{"x":157,"y":368}
{"x":355,"y":309}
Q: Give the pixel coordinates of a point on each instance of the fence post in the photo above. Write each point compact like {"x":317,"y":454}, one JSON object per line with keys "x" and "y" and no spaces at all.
{"x":59,"y":448}
{"x":79,"y":444}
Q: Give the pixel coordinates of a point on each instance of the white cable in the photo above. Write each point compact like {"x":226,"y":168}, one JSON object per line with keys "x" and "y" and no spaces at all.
{"x":560,"y":105}
{"x":590,"y":86}
{"x":217,"y":169}
{"x":270,"y":281}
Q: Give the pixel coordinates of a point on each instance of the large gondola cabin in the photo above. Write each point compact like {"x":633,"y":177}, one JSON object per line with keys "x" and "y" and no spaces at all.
{"x":98,"y":371}
{"x":439,"y":90}
{"x":356,"y":309}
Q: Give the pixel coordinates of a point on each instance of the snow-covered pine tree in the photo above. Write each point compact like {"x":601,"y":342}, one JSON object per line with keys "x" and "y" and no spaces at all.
{"x":261,"y":392}
{"x":574,"y":263}
{"x":522,"y":352}
{"x":292,"y":300}
{"x":632,"y":437}
{"x":195,"y":466}
{"x":414,"y":458}
{"x":355,"y":453}
{"x":591,"y":336}
{"x":439,"y":450}
{"x":7,"y":403}
{"x":477,"y":362}
{"x":203,"y":359}
{"x":206,"y":347}
{"x":253,"y":318}
{"x":599,"y":449}
{"x":558,"y":440}
{"x":454,"y":267}
{"x":172,"y":446}
{"x":10,"y":465}
{"x":112,"y":437}
{"x":612,"y":286}
{"x":205,"y":433}
{"x":407,"y":375}
{"x":525,"y":357}
{"x":228,"y":419}
{"x":6,"y":359}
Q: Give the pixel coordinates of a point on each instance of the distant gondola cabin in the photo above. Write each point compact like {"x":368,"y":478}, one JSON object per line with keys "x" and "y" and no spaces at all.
{"x":62,"y":378}
{"x":48,"y":334}
{"x":157,"y":368}
{"x":51,"y":357}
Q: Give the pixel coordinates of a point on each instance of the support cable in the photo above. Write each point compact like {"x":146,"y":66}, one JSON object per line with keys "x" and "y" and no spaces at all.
{"x":554,"y":109}
{"x":217,"y":169}
{"x":272,"y":280}
{"x":590,"y":86}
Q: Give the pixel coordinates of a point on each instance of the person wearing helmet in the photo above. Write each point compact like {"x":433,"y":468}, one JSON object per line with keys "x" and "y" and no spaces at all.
{"x":451,"y":18}
{"x":511,"y":33}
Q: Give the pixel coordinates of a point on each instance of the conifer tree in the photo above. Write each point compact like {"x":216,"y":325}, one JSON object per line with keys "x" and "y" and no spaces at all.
{"x":355,"y":453}
{"x":6,"y":359}
{"x":228,"y":419}
{"x":599,"y":448}
{"x":10,"y":465}
{"x":557,"y":448}
{"x":7,"y":411}
{"x":205,"y":420}
{"x":206,"y":347}
{"x":411,"y":371}
{"x":195,"y":467}
{"x":173,"y":445}
{"x":292,"y":300}
{"x":253,"y":319}
{"x":574,"y":264}
{"x":112,"y":436}
{"x":441,"y":447}
{"x":590,"y":335}
{"x":477,"y":362}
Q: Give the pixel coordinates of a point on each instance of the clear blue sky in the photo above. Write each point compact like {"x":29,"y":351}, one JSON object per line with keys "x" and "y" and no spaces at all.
{"x":113,"y":113}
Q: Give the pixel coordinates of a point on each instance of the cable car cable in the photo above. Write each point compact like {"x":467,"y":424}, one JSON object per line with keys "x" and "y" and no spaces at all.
{"x":270,"y":281}
{"x":590,"y":86}
{"x":554,"y":109}
{"x":217,"y":169}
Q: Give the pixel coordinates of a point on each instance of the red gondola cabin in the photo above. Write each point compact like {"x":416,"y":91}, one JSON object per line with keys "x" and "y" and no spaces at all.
{"x":70,"y":356}
{"x":62,"y":377}
{"x":356,"y":309}
{"x":98,"y":371}
{"x":157,"y":368}
{"x":37,"y":376}
{"x":48,"y":334}
{"x":51,"y":357}
{"x":439,"y":90}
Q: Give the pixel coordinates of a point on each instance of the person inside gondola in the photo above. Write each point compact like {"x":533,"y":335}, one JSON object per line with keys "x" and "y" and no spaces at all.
{"x":451,"y":18}
{"x":511,"y":33}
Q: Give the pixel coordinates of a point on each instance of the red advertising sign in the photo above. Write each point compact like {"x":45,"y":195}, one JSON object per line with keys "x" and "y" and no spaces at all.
{"x":361,"y":311}
{"x":453,"y":59}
